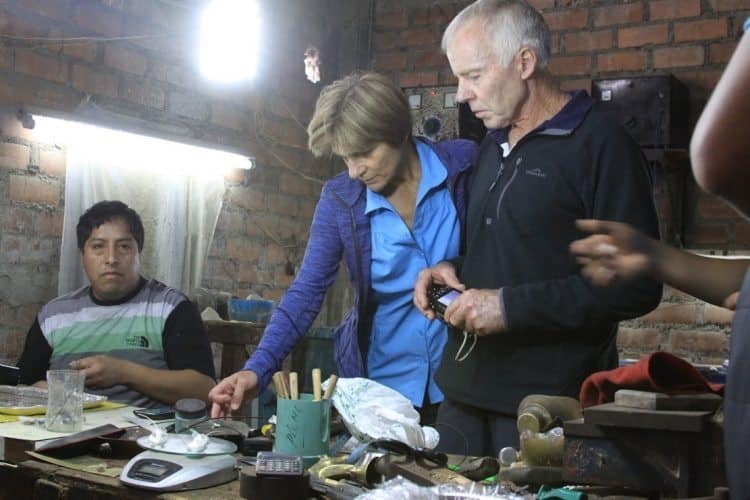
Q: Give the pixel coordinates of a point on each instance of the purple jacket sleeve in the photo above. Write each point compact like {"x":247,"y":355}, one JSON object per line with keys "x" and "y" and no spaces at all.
{"x":302,"y":302}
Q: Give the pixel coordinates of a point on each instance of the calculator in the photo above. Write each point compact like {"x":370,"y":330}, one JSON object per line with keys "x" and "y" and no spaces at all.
{"x":269,"y":463}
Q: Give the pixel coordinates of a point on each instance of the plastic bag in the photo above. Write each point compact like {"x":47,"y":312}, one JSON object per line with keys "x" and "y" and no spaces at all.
{"x":400,"y":488}
{"x":373,"y":411}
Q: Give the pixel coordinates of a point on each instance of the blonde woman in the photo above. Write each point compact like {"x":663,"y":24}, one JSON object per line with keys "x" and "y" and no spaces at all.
{"x":399,"y":207}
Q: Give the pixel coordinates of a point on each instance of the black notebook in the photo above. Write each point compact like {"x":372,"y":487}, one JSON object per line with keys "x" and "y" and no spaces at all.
{"x":9,"y":374}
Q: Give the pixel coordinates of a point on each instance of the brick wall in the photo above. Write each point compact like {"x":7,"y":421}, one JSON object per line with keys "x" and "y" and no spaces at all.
{"x":135,"y":70}
{"x":591,"y":39}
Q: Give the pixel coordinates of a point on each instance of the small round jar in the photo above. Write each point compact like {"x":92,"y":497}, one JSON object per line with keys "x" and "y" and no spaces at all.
{"x":189,"y":412}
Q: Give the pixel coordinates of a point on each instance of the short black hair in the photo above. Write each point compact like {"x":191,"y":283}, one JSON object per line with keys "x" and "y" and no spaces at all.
{"x":103,"y":212}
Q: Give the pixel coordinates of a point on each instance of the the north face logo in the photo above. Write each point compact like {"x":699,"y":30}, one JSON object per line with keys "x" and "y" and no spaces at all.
{"x":138,"y":341}
{"x":536,"y":172}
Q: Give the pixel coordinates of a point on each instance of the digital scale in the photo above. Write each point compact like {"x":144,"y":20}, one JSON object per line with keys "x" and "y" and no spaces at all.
{"x":169,"y":466}
{"x":152,"y":470}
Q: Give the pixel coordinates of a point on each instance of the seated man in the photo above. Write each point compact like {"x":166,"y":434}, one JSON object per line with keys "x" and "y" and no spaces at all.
{"x":138,"y":341}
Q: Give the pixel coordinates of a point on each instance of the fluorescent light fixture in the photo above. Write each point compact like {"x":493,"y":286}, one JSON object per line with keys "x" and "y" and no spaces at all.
{"x":229,"y":37}
{"x":144,"y":152}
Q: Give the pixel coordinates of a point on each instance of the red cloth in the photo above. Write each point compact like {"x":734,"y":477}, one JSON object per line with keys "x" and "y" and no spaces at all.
{"x":658,"y":372}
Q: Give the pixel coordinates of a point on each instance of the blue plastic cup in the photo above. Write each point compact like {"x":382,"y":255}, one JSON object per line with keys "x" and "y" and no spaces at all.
{"x":303,"y":427}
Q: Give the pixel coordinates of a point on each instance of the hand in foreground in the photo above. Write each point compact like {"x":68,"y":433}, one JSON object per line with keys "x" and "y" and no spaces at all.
{"x":101,"y":371}
{"x":443,"y":274}
{"x":229,"y":395}
{"x":614,"y":252}
{"x":476,"y":311}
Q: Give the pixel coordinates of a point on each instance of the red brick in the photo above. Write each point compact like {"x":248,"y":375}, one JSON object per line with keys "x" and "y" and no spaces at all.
{"x":56,"y":97}
{"x":729,"y":5}
{"x":16,"y":220}
{"x":57,"y":9}
{"x":674,"y":57}
{"x":47,"y":68}
{"x":98,"y":19}
{"x":385,"y":61}
{"x":294,"y":184}
{"x":227,"y":116}
{"x":419,"y":36}
{"x":430,"y":59}
{"x":570,"y":65}
{"x":78,"y":49}
{"x":621,"y":61}
{"x":742,"y":234}
{"x":673,"y":9}
{"x":446,"y":77}
{"x":52,"y":162}
{"x":14,"y":156}
{"x":33,"y":190}
{"x":712,"y":207}
{"x":391,"y":20}
{"x":26,"y":313}
{"x":280,"y":276}
{"x":276,"y":254}
{"x":721,"y":52}
{"x":13,"y":25}
{"x":698,"y":341}
{"x":125,"y":60}
{"x":4,"y":60}
{"x":576,"y":84}
{"x":717,"y":315}
{"x":230,"y":223}
{"x":672,"y":313}
{"x":554,"y":43}
{"x":243,"y":249}
{"x":618,"y":14}
{"x":248,"y":198}
{"x":701,"y":82}
{"x":235,"y":175}
{"x":708,"y":29}
{"x":274,"y":294}
{"x":307,"y":208}
{"x":542,"y":4}
{"x":436,"y":15}
{"x":12,"y":94}
{"x":92,"y":81}
{"x":49,"y":224}
{"x":251,"y":273}
{"x":567,"y":19}
{"x":639,"y":338}
{"x":11,"y":126}
{"x":282,"y":204}
{"x":143,"y":94}
{"x":384,"y":41}
{"x":588,"y":41}
{"x":638,"y":36}
{"x":418,"y":79}
{"x":702,"y":235}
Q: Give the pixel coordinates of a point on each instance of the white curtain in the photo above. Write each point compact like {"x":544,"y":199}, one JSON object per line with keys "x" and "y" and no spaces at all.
{"x":176,"y":189}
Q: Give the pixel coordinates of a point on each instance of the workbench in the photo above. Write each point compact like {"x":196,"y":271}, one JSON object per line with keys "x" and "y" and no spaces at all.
{"x":34,"y":479}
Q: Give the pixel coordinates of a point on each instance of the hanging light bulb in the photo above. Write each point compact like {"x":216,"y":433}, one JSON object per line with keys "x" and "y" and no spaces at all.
{"x":229,"y":37}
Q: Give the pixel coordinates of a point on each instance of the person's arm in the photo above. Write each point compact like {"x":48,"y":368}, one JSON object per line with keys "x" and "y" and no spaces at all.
{"x":718,"y":148}
{"x":617,"y":252}
{"x":190,"y":372}
{"x":302,"y":302}
{"x":34,"y":360}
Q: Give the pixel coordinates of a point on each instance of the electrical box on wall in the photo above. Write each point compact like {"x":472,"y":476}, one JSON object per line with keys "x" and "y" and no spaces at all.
{"x":654,"y":109}
{"x":437,"y":115}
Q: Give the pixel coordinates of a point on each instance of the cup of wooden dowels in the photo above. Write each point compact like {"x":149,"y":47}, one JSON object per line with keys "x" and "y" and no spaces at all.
{"x":303,"y":421}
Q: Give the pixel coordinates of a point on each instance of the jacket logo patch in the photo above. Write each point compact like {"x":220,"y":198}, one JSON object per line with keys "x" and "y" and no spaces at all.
{"x":137,"y":341}
{"x":536,"y":172}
